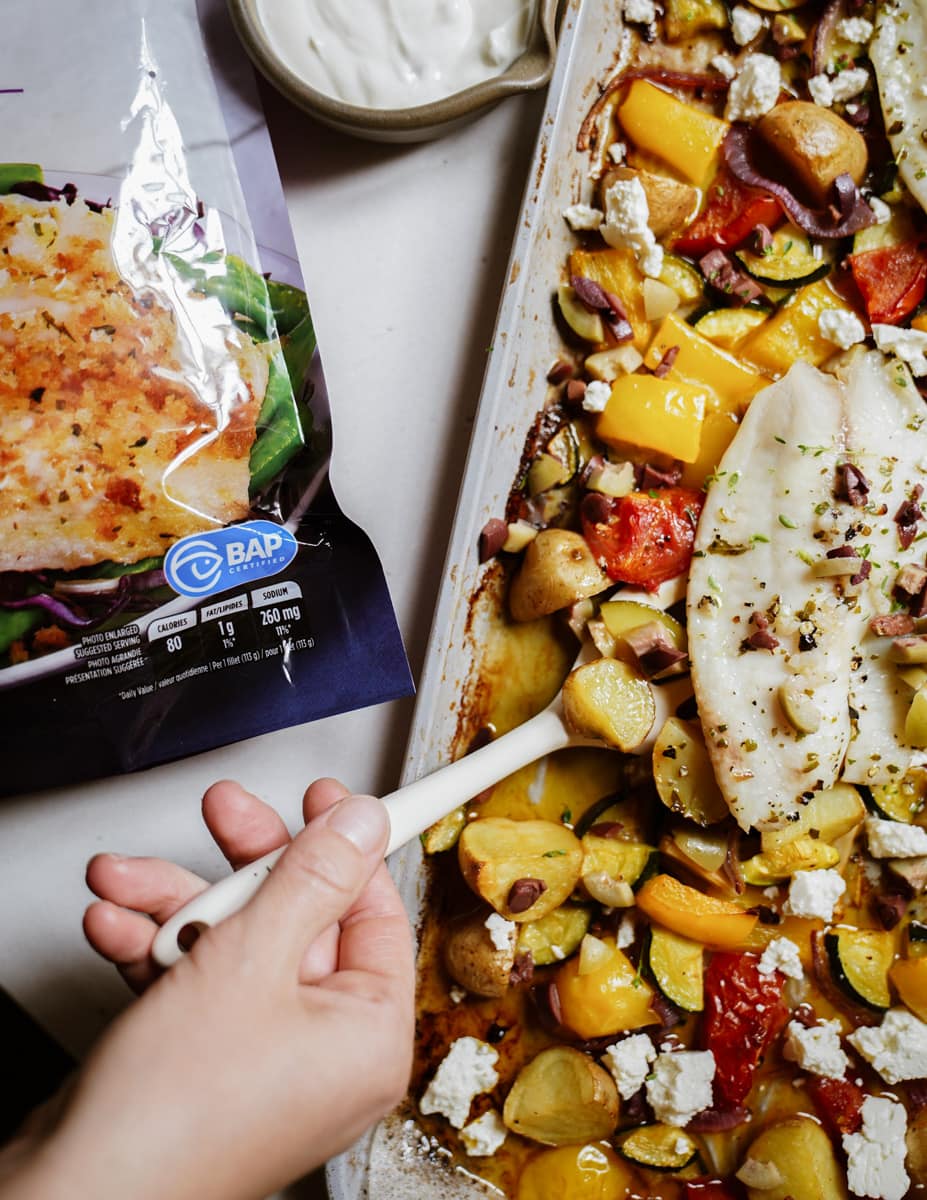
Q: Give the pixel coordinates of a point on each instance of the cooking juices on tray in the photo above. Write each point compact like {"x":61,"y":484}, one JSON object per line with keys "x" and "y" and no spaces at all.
{"x":702,"y":972}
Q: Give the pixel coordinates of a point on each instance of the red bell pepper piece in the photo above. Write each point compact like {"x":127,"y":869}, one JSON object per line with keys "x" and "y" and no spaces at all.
{"x":892,"y":280}
{"x":732,"y":211}
{"x":839,"y":1103}
{"x":645,"y":538}
{"x":744,"y":1011}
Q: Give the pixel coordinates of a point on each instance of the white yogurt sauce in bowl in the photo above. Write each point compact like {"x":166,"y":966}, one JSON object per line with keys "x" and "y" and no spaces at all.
{"x":396,"y":53}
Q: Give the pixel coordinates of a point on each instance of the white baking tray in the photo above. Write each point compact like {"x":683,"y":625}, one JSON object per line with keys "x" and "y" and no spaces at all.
{"x":395,"y":1161}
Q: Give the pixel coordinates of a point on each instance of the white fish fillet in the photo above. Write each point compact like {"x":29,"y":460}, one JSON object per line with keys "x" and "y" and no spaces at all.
{"x":898,"y":52}
{"x":887,"y":440}
{"x":758,"y":521}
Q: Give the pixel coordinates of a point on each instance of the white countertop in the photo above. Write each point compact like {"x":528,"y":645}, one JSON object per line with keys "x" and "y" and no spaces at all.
{"x":404,"y":250}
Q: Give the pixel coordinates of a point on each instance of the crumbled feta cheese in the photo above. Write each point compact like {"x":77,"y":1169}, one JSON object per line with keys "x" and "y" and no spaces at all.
{"x":616,"y":152}
{"x":895,"y":839}
{"x":755,"y":90}
{"x":897,"y":1048}
{"x":910,"y":345}
{"x":814,"y":893}
{"x":583,"y":216}
{"x":842,"y":328}
{"x":855,"y":29}
{"x":501,"y":932}
{"x":724,"y":65}
{"x":680,"y":1085}
{"x":626,"y":223}
{"x":627,"y":931}
{"x":821,"y":91}
{"x":746,"y":23}
{"x":629,"y":1061}
{"x":467,"y":1070}
{"x":484,"y":1136}
{"x":883,"y":212}
{"x":457,"y":994}
{"x":640,"y":12}
{"x":781,"y":955}
{"x":817,"y":1049}
{"x":596,"y":396}
{"x":875,"y":1155}
{"x":849,"y":83}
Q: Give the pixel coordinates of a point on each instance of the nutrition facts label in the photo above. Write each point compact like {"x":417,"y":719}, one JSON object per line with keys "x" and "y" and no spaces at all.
{"x":264,"y":623}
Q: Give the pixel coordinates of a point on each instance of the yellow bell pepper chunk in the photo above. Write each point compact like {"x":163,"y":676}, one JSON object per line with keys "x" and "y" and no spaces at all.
{"x":920,"y":322}
{"x":909,"y":976}
{"x":700,"y":361}
{"x":694,"y":915}
{"x":718,"y":431}
{"x":616,"y":270}
{"x":793,"y":333}
{"x":683,"y":136}
{"x":658,"y":414}
{"x":610,"y":999}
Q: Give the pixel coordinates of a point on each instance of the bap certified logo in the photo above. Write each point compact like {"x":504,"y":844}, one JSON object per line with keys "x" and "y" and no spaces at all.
{"x":205,"y":563}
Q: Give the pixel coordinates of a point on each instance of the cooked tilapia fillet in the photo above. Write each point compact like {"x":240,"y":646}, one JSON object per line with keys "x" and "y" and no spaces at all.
{"x":106,"y":450}
{"x":887,"y":440}
{"x":750,"y":573}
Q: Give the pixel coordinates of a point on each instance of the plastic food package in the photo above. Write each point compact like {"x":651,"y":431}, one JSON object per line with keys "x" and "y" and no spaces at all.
{"x":175,"y":572}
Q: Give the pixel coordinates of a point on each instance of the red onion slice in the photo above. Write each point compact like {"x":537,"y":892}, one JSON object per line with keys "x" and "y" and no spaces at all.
{"x":855,"y":213}
{"x":823,"y":36}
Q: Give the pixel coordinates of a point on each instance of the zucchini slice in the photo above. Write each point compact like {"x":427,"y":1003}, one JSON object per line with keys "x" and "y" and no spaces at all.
{"x":860,"y":960}
{"x":555,"y":936}
{"x":659,"y":1147}
{"x":900,"y":801}
{"x":917,"y":938}
{"x":676,"y":965}
{"x":900,"y":227}
{"x":790,"y":260}
{"x":625,"y":861}
{"x":727,"y":327}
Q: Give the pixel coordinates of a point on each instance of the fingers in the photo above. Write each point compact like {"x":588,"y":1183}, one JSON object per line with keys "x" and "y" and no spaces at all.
{"x":375,"y":935}
{"x":319,"y":877}
{"x":146,"y":885}
{"x":244,"y":827}
{"x":125,"y":939}
{"x":321,"y":958}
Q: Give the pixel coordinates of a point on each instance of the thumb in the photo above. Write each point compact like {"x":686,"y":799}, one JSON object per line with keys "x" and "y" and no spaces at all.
{"x":322,"y":872}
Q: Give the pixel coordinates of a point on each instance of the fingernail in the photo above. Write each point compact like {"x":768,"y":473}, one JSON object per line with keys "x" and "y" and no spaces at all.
{"x":362,"y":820}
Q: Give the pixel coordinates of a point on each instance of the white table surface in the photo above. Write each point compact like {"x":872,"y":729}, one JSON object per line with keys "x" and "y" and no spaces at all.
{"x":404,"y":250}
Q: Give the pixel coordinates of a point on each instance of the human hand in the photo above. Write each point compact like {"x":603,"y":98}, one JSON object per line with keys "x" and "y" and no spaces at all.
{"x":281,"y":1036}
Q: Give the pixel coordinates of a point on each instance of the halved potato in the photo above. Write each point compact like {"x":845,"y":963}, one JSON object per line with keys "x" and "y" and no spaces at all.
{"x":804,"y":1159}
{"x":670,"y":203}
{"x":816,"y":144}
{"x":609,"y":700}
{"x":595,"y":1172}
{"x":832,"y":812}
{"x":474,"y":961}
{"x":684,"y":776}
{"x":524,"y":869}
{"x":562,"y":1097}
{"x":557,"y":570}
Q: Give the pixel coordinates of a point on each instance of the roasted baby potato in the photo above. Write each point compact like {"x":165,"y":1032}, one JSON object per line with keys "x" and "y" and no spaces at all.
{"x":831,"y":813}
{"x":472,"y":958}
{"x":524,"y":869}
{"x":562,"y":1097}
{"x":684,"y":776}
{"x":671,"y":203}
{"x":595,"y":1171}
{"x":610,"y":701}
{"x":816,"y":145}
{"x":801,"y":1160}
{"x":557,"y":570}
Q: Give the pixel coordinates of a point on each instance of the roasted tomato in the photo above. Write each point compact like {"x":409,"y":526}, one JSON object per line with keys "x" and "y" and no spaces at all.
{"x":891,"y":280}
{"x":744,"y":1011}
{"x":713,"y":1189}
{"x":839,"y":1103}
{"x":732,"y":211}
{"x":644,"y":538}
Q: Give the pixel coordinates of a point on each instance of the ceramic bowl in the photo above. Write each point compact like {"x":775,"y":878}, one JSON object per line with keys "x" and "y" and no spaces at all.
{"x":419,"y":123}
